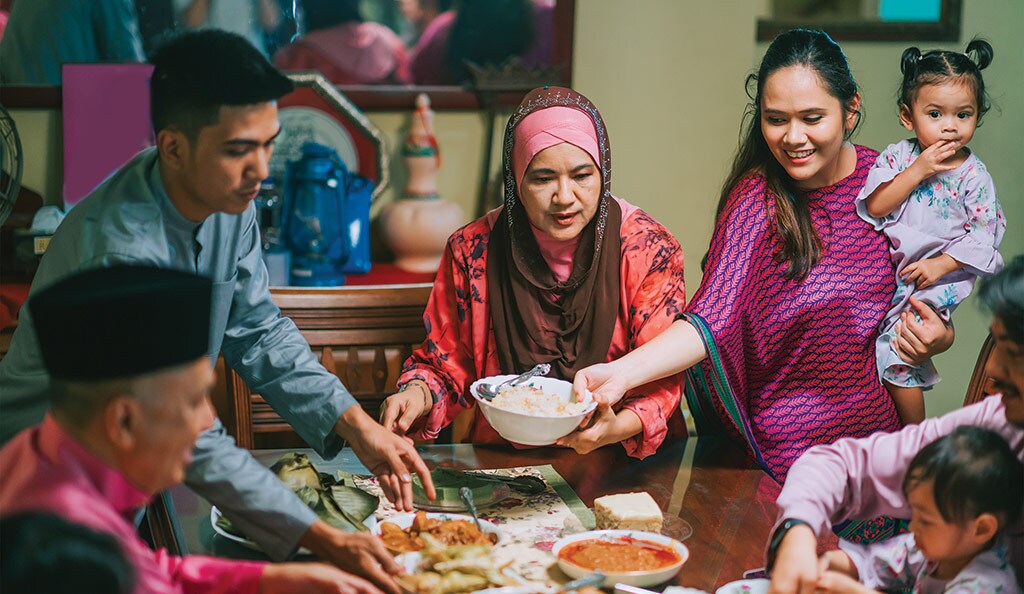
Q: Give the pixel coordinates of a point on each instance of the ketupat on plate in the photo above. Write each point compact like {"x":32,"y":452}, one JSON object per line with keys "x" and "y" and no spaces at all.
{"x":447,"y":483}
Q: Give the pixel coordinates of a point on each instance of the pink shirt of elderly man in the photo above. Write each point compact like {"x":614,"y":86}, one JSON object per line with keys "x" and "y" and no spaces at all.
{"x":125,"y":347}
{"x":563,"y":273}
{"x":854,"y":479}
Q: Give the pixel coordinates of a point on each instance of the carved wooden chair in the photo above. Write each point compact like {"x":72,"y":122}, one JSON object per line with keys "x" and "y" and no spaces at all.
{"x":361,"y":334}
{"x":980,"y":386}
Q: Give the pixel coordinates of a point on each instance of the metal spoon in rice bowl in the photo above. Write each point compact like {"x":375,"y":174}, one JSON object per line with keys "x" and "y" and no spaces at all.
{"x":489,"y":391}
{"x":556,"y":412}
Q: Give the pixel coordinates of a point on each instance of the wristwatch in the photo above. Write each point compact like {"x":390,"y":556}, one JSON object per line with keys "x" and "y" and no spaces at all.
{"x":777,"y":536}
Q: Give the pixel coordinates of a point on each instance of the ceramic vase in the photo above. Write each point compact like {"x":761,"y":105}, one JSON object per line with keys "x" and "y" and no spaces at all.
{"x":416,"y":226}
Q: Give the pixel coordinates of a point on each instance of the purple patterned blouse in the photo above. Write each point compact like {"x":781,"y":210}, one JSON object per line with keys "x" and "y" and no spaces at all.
{"x":791,"y":364}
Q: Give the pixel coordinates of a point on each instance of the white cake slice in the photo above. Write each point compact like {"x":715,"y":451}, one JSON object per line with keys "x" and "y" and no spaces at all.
{"x":628,"y":511}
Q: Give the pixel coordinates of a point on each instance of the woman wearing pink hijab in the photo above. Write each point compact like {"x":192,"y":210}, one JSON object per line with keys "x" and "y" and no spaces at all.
{"x":564,"y":273}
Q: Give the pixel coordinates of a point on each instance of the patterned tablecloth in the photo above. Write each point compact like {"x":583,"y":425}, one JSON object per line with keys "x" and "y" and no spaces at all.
{"x":531,"y":523}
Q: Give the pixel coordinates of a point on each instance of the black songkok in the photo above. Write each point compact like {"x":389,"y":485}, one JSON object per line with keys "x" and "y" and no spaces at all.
{"x":121,"y":321}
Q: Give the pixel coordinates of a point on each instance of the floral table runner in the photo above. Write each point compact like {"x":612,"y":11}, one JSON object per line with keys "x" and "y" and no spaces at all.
{"x":531,"y":523}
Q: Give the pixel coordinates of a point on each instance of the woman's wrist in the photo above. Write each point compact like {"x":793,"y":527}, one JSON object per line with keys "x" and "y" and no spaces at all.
{"x":627,"y":424}
{"x":424,"y":391}
{"x":632,"y":369}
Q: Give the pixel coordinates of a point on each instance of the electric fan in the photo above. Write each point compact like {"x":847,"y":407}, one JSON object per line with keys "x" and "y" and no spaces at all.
{"x":10,"y":164}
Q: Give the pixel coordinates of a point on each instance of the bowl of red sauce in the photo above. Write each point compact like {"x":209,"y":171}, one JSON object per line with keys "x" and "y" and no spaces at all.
{"x":623,"y":556}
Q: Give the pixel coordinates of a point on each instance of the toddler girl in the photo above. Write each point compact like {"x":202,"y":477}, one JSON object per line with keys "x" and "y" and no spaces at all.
{"x":963,"y":490}
{"x":935,"y":201}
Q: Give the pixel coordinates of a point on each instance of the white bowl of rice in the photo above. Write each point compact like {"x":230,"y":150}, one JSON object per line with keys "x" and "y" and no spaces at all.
{"x":535,"y":413}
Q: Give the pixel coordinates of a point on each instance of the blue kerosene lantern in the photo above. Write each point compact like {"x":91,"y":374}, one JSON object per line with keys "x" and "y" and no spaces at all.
{"x":313,"y":222}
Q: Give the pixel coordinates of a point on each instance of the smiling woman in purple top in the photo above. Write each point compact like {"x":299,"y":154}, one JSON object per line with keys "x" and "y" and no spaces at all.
{"x":778,"y":340}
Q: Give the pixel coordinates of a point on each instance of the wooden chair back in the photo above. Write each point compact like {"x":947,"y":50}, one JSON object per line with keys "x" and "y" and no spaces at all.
{"x":980,"y":386}
{"x":361,"y":334}
{"x":5,"y":338}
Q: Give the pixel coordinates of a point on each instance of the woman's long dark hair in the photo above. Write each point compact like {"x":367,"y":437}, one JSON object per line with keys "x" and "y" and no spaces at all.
{"x":800,"y":245}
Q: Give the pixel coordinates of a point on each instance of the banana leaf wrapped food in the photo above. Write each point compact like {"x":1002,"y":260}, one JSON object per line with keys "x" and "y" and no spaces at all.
{"x":448,"y":481}
{"x":337,"y":502}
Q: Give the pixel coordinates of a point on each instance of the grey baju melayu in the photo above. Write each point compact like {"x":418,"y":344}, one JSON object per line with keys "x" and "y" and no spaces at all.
{"x":129,"y":218}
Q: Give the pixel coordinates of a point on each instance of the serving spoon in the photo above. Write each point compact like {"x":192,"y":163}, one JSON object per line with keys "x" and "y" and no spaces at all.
{"x":467,"y":498}
{"x":595,"y":579}
{"x":489,"y":391}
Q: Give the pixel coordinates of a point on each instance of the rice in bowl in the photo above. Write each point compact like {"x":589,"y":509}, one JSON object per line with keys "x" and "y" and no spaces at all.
{"x":531,"y":400}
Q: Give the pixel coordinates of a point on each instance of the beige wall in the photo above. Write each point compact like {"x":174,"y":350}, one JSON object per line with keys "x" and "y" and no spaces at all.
{"x":997,"y":143}
{"x":667,"y":76}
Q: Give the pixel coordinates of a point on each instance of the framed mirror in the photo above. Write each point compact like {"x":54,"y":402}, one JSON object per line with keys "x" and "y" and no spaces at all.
{"x":379,"y":53}
{"x":864,"y":20}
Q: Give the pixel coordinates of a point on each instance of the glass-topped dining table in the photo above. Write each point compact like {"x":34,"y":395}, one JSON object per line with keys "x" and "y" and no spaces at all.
{"x":707,"y":484}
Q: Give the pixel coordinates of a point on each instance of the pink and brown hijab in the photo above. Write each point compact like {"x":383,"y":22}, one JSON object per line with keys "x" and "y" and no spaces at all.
{"x":536,"y":317}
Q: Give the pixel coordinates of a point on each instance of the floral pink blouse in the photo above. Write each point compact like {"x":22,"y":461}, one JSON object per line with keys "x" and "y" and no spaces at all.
{"x":460,"y":348}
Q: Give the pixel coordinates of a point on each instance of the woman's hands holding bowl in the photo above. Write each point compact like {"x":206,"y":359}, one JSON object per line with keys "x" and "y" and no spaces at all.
{"x":605,"y":427}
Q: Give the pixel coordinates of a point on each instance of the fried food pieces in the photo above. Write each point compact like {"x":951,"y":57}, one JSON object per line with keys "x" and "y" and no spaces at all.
{"x":445,"y":532}
{"x":453,"y":570}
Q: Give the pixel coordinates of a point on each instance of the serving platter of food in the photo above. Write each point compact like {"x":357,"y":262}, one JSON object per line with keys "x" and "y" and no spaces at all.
{"x":335,"y":499}
{"x":745,"y":586}
{"x":406,"y":533}
{"x":449,"y":481}
{"x":223,"y":527}
{"x":453,"y":570}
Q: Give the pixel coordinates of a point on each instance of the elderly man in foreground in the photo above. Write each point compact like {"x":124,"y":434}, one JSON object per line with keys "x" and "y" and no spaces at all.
{"x":862,"y":478}
{"x":126,"y":350}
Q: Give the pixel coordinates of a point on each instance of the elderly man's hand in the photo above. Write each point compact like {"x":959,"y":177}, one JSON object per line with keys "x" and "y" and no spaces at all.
{"x":361,"y":554}
{"x":311,"y":578}
{"x":796,"y":569}
{"x":921,"y":336}
{"x":388,"y":456}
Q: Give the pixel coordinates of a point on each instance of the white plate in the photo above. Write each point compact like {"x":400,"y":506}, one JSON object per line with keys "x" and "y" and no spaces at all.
{"x":756,"y":586}
{"x":403,"y":521}
{"x":215,"y":514}
{"x":518,"y":590}
{"x":499,"y":492}
{"x":631,"y":578}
